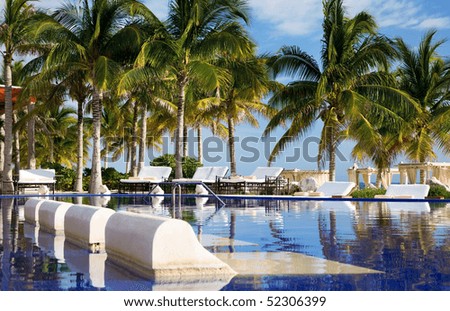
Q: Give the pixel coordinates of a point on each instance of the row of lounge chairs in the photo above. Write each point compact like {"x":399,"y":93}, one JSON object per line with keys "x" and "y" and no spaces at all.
{"x":262,"y":180}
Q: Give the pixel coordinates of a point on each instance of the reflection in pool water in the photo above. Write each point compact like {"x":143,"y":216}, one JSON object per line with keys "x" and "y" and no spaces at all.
{"x":331,"y":245}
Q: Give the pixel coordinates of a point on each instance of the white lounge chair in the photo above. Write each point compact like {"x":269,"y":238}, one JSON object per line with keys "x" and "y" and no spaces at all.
{"x":330,"y":189}
{"x":413,"y":191}
{"x":206,"y":174}
{"x":267,"y":177}
{"x":36,"y":178}
{"x":148,"y":176}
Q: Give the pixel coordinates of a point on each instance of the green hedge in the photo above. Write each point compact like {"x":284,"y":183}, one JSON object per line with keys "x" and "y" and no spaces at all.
{"x":110,"y":177}
{"x":367,"y":193}
{"x":189,"y":164}
{"x":65,"y":177}
{"x":438,"y":191}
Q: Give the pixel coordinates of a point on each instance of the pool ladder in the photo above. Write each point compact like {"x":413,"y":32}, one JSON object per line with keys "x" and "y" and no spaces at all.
{"x":177,"y":188}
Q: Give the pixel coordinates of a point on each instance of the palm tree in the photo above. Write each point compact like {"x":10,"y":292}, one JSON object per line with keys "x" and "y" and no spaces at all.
{"x":99,"y":36}
{"x":424,"y":75}
{"x":203,"y":111}
{"x":346,"y":91}
{"x":13,"y":35}
{"x":57,"y":139}
{"x":40,"y":81}
{"x":242,"y":96}
{"x":186,"y":45}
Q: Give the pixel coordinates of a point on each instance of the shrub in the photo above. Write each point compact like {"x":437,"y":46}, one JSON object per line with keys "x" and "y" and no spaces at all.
{"x":111,"y":177}
{"x":66,"y":177}
{"x":438,"y":191}
{"x":189,"y":164}
{"x":367,"y":193}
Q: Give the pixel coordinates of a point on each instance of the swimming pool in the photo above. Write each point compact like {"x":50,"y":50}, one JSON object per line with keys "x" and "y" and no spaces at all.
{"x":273,"y":244}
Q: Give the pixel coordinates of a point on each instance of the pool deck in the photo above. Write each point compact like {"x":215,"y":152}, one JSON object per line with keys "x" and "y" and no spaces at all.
{"x":226,"y":197}
{"x":286,"y":263}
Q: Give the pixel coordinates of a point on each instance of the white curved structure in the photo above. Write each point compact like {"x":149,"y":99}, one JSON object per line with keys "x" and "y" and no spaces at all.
{"x":159,"y":247}
{"x":51,"y":216}
{"x":31,"y":210}
{"x":84,"y":225}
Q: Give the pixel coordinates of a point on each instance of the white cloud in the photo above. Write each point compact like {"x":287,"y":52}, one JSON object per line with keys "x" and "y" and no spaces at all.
{"x":159,"y":7}
{"x":49,"y":4}
{"x":304,"y":17}
{"x":290,"y":17}
{"x":438,"y":22}
{"x":399,"y":13}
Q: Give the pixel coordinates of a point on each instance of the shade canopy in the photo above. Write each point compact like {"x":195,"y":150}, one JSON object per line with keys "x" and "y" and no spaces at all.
{"x":15,"y":93}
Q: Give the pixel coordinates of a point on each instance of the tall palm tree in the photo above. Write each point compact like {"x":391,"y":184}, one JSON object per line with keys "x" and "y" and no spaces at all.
{"x":203,"y":111}
{"x":242,"y":96}
{"x":424,"y":75}
{"x":13,"y":35}
{"x":346,"y":90}
{"x":56,"y":139}
{"x":99,"y":36}
{"x":40,"y":81}
{"x":187,"y":43}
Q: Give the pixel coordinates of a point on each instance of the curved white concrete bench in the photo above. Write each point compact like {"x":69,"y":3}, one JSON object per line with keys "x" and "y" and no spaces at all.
{"x":31,"y":210}
{"x":154,"y":246}
{"x":51,"y":216}
{"x":84,"y":226}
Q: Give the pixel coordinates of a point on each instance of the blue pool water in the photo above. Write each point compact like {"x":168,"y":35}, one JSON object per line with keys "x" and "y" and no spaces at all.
{"x":407,"y":243}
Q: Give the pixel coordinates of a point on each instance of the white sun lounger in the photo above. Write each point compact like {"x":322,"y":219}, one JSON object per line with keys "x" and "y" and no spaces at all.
{"x":261,"y":176}
{"x":206,"y":174}
{"x":330,"y":189}
{"x":36,"y":178}
{"x":147,"y":176}
{"x":414,"y":191}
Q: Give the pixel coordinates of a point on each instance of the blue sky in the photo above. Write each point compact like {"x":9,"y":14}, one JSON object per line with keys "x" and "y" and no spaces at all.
{"x":276,"y":23}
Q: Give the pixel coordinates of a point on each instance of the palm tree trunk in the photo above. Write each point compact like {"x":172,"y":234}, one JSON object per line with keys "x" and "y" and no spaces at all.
{"x":182,"y":81}
{"x":80,"y":143}
{"x":421,"y":172}
{"x":185,"y":142}
{"x":199,"y":145}
{"x":7,"y":181}
{"x":96,"y":172}
{"x":332,"y":155}
{"x":51,"y":157}
{"x":31,"y":130}
{"x":133,"y":166}
{"x":231,"y":146}
{"x":16,"y":148}
{"x":127,"y":161}
{"x":2,"y":142}
{"x":105,"y":159}
{"x":142,"y":138}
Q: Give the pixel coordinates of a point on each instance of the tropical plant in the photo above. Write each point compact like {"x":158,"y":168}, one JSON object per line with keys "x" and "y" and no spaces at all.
{"x":348,"y":89}
{"x":66,"y":176}
{"x":425,"y":75}
{"x":242,"y":96}
{"x":189,"y":164}
{"x":13,"y":36}
{"x":99,"y":36}
{"x":187,"y":44}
